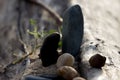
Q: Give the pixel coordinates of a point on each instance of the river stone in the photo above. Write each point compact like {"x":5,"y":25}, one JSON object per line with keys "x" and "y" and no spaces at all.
{"x":72,"y":30}
{"x":65,"y":59}
{"x":67,"y":72}
{"x":48,"y":52}
{"x":97,"y":61}
{"x":43,"y":77}
{"x":30,"y":77}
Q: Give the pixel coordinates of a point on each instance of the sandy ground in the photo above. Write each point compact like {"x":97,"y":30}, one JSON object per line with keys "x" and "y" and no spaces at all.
{"x":102,"y":21}
{"x":102,"y":18}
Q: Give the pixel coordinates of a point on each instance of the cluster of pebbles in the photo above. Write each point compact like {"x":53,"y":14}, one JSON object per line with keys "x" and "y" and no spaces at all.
{"x":71,"y":42}
{"x":65,"y":66}
{"x":65,"y":62}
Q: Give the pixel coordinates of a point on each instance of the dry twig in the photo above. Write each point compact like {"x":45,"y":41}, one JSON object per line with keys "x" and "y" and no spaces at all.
{"x":52,"y":13}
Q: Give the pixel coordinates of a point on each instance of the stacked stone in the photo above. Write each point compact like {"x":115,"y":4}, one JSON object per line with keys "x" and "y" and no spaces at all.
{"x":72,"y":35}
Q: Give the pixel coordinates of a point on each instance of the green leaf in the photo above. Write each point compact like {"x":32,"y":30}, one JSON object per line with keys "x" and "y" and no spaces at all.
{"x":51,"y":31}
{"x":34,"y":33}
{"x":32,"y":22}
{"x":60,"y":44}
{"x":35,"y":29}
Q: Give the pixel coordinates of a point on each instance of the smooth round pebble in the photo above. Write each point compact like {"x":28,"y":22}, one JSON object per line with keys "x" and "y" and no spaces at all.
{"x":78,"y":78}
{"x":97,"y":61}
{"x":67,"y":72}
{"x":65,"y":59}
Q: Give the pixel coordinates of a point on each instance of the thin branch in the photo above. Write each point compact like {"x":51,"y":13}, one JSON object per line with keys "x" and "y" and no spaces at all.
{"x":23,"y":57}
{"x":52,"y":13}
{"x":19,"y":20}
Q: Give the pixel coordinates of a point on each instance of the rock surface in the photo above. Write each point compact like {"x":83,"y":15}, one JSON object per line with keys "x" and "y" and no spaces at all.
{"x":72,"y":31}
{"x":101,"y":36}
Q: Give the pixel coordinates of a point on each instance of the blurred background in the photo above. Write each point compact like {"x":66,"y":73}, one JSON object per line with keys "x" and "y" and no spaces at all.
{"x":17,"y":19}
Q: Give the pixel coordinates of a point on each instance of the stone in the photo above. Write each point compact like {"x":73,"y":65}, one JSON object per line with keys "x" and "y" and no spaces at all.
{"x":78,"y":78}
{"x":52,"y":76}
{"x":73,"y":29}
{"x":65,"y":59}
{"x":48,"y":52}
{"x":30,"y":77}
{"x":43,"y":77}
{"x":67,"y":72}
{"x":97,"y":61}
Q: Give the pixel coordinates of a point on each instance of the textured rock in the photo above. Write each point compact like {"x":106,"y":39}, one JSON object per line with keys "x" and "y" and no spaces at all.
{"x":72,"y":30}
{"x":67,"y":72}
{"x":48,"y":52}
{"x":97,"y":61}
{"x":65,"y":59}
{"x":101,"y":21}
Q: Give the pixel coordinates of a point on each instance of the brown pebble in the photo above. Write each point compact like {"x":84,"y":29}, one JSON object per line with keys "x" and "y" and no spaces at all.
{"x":67,"y":72}
{"x":97,"y":61}
{"x":78,"y":78}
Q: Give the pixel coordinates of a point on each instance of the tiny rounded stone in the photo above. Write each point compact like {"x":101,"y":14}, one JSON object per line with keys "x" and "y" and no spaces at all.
{"x":65,"y":59}
{"x":67,"y":72}
{"x":97,"y":61}
{"x":78,"y":78}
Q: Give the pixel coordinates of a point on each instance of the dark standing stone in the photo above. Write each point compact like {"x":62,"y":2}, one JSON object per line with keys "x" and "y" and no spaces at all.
{"x":97,"y":61}
{"x":72,"y":30}
{"x":48,"y":52}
